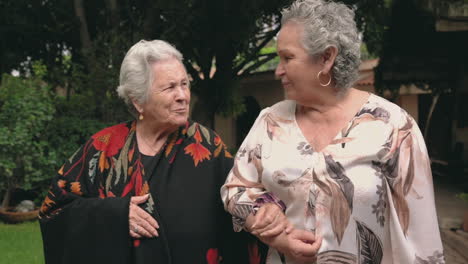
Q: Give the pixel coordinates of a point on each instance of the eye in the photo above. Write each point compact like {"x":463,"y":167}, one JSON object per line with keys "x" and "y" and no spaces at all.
{"x":286,"y":58}
{"x":171,"y":86}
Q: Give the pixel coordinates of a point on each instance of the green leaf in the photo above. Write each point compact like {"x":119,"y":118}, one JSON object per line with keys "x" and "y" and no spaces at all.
{"x":205,"y":133}
{"x":191,"y":130}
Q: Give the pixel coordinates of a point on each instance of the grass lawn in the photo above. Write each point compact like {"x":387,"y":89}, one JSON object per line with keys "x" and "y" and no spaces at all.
{"x":21,"y":243}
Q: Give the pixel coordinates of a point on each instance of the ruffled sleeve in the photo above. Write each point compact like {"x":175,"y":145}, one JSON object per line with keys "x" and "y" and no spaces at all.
{"x":414,"y":230}
{"x":243,"y":191}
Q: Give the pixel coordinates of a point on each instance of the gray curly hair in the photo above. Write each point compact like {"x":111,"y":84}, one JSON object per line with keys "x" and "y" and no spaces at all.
{"x":326,"y":24}
{"x":136,"y":75}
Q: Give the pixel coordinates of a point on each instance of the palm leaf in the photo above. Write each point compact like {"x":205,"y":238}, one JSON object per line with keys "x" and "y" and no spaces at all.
{"x":407,"y":173}
{"x":401,"y":205}
{"x":337,"y":173}
{"x":335,"y":256}
{"x":322,"y":185}
{"x":339,"y":212}
{"x":369,"y":245}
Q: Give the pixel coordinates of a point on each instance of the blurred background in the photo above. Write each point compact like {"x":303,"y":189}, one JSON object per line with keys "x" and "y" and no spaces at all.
{"x":60,"y":62}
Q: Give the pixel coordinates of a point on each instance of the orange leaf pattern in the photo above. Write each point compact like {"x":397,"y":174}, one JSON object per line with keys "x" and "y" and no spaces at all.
{"x":198,"y":152}
{"x":109,"y":165}
{"x":75,"y":188}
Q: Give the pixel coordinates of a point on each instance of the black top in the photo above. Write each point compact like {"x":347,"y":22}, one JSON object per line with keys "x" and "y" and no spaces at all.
{"x":84,"y":218}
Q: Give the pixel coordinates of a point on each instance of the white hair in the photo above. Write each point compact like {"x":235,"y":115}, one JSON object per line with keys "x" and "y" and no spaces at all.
{"x":326,"y":23}
{"x":136,"y":75}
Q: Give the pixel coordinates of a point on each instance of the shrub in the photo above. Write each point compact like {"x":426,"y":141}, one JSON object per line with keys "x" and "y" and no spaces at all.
{"x":26,"y":109}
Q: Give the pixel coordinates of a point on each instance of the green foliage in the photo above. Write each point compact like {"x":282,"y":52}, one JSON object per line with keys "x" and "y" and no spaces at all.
{"x":271,"y":64}
{"x":39,"y":69}
{"x":229,"y":36}
{"x":73,"y":124}
{"x":21,"y":243}
{"x":463,"y":196}
{"x":26,"y":109}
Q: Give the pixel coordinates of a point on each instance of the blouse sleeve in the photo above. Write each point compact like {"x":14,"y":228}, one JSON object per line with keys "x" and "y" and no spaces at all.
{"x":243,"y":192}
{"x":414,"y":229}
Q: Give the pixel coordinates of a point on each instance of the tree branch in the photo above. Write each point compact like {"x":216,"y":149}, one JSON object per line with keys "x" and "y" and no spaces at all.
{"x":193,"y":72}
{"x":250,"y":56}
{"x":260,"y":62}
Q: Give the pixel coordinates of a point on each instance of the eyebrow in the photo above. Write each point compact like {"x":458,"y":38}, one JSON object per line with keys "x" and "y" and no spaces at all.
{"x":283,"y":50}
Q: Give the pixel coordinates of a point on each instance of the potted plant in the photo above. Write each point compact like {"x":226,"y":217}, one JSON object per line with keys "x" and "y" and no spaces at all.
{"x":26,"y":108}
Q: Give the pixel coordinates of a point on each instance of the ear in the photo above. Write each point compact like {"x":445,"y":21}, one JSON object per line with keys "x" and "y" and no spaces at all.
{"x":137,"y":106}
{"x":328,"y":58}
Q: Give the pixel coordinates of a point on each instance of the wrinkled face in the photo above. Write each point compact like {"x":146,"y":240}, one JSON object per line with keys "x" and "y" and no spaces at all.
{"x":296,"y":69}
{"x":169,"y":96}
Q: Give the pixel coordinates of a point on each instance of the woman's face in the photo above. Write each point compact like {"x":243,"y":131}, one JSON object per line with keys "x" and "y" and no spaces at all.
{"x":169,"y":96}
{"x":296,"y":69}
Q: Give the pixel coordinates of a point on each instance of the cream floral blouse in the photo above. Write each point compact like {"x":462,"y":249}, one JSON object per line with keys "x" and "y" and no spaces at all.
{"x":368,"y":194}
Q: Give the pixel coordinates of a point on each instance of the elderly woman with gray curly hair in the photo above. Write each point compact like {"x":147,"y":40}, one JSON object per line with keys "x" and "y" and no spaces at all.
{"x":332,"y":174}
{"x":146,"y":191}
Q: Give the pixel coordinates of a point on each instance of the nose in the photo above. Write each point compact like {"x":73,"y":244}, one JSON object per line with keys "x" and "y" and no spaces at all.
{"x":279,"y":70}
{"x":182,"y":93}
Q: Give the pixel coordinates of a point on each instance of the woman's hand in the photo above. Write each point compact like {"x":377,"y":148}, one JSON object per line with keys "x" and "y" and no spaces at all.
{"x":299,"y":245}
{"x":269,"y":221}
{"x":302,"y":246}
{"x":141,"y":224}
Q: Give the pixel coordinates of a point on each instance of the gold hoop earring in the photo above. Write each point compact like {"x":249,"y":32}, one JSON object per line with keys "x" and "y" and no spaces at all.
{"x":318,"y":78}
{"x":140,"y":117}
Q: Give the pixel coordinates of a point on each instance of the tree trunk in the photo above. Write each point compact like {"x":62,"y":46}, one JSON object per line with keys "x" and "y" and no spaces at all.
{"x":7,"y":197}
{"x":202,"y":114}
{"x":114,"y":13}
{"x":150,"y":18}
{"x":84,"y":33}
{"x":435,"y":98}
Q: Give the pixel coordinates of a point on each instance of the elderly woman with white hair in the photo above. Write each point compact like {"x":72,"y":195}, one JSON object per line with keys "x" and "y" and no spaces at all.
{"x":332,"y":174}
{"x":146,"y":191}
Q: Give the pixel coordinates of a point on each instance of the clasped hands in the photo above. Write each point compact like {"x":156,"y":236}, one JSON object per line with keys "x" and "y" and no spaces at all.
{"x":272,"y":227}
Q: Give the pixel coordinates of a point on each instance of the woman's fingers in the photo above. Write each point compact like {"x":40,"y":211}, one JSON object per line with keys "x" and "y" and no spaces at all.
{"x":305,"y":245}
{"x":305,"y":252}
{"x":264,"y":224}
{"x":146,"y":217}
{"x":289,"y":228}
{"x":145,"y":228}
{"x":142,"y":219}
{"x":259,"y":219}
{"x":141,"y":223}
{"x":134,"y":234}
{"x":266,"y":215}
{"x":272,"y":230}
{"x":139,"y":199}
{"x":315,"y":248}
{"x":303,"y":235}
{"x":274,"y":224}
{"x":277,"y":226}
